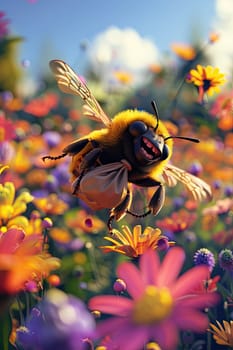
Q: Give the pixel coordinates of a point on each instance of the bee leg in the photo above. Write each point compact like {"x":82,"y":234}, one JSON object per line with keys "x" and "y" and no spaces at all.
{"x":157,"y":201}
{"x":146,"y":182}
{"x":120,"y":210}
{"x":75,"y":147}
{"x":88,"y":161}
{"x":109,"y":224}
{"x":62,"y":155}
{"x":71,"y":149}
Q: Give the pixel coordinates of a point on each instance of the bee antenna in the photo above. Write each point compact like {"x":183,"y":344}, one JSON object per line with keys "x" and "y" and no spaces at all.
{"x":191,"y":139}
{"x":154,"y":106}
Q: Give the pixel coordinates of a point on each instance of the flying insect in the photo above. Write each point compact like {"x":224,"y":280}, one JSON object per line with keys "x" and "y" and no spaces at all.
{"x":134,"y":147}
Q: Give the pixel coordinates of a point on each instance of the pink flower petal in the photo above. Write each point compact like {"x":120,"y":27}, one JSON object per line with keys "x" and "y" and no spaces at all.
{"x":109,"y":326}
{"x":132,"y":277}
{"x":189,"y":319}
{"x":111,"y":304}
{"x":166,"y":335}
{"x":149,"y":266}
{"x":190,"y":281}
{"x":11,"y":240}
{"x":199,"y":301}
{"x":171,"y":266}
{"x":131,"y":337}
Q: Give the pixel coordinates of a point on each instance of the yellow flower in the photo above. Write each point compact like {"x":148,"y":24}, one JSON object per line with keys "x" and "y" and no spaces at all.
{"x":153,"y":346}
{"x":135,"y":243}
{"x":207,"y":79}
{"x":223,"y":335}
{"x":186,"y":52}
{"x":60,"y":235}
{"x":11,"y":207}
{"x":51,"y":204}
{"x":123,"y":77}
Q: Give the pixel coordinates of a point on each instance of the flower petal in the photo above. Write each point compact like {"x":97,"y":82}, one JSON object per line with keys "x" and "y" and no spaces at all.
{"x":111,"y":304}
{"x":131,"y":337}
{"x":190,"y":280}
{"x":110,"y":325}
{"x":171,"y":266}
{"x":199,"y":301}
{"x":132,"y":277}
{"x":165,"y":334}
{"x":149,"y":266}
{"x":190,"y":319}
{"x":11,"y":240}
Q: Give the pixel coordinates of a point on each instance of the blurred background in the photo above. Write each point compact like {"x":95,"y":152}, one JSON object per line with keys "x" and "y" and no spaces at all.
{"x":128,"y":53}
{"x":125,"y":35}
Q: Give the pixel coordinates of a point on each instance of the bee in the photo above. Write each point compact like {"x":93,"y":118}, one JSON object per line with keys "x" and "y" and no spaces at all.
{"x":134,"y":147}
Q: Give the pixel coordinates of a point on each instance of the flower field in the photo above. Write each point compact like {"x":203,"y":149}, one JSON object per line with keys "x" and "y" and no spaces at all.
{"x":155,"y":282}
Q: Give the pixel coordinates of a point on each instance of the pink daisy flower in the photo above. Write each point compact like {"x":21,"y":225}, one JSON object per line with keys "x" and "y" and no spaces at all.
{"x":161,"y":303}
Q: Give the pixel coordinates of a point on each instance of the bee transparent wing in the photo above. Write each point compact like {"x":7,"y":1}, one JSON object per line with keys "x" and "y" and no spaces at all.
{"x":69,"y":82}
{"x":198,"y":188}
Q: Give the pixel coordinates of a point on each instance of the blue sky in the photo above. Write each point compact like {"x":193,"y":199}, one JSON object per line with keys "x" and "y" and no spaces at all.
{"x":55,"y":28}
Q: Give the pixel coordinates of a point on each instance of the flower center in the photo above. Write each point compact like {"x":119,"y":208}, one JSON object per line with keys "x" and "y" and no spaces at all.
{"x":153,"y":306}
{"x":206,"y":84}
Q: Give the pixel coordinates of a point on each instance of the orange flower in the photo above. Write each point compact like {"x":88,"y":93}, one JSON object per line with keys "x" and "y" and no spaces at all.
{"x":22,"y":259}
{"x":186,"y":52}
{"x":60,"y":235}
{"x":123,"y":77}
{"x":213,"y":37}
{"x":135,"y":243}
{"x":223,"y":335}
{"x":155,"y":68}
{"x":42,"y":105}
{"x":81,"y":222}
{"x":178,"y":221}
{"x":51,"y":204}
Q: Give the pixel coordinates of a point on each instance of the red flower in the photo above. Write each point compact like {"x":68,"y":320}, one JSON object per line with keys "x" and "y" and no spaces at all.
{"x":7,"y":129}
{"x":41,"y":106}
{"x":178,"y":221}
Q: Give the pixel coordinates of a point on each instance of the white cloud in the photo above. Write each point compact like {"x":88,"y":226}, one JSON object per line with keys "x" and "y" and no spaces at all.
{"x":122,"y":49}
{"x":221,"y":53}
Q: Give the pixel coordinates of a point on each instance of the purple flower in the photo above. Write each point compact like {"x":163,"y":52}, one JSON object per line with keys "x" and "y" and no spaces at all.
{"x":195,"y":168}
{"x":119,"y":286}
{"x":71,"y":246}
{"x":204,"y":256}
{"x":178,"y":202}
{"x":59,"y":321}
{"x":228,"y":191}
{"x":6,"y":152}
{"x":52,"y":138}
{"x":61,"y":174}
{"x":51,"y":185}
{"x":225,"y":259}
{"x":217,"y":184}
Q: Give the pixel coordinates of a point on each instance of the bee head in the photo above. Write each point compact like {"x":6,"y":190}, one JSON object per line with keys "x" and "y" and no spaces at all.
{"x":149,"y":143}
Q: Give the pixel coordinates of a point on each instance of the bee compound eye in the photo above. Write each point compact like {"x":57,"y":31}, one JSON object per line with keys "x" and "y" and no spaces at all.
{"x":137,"y":128}
{"x":165,"y":153}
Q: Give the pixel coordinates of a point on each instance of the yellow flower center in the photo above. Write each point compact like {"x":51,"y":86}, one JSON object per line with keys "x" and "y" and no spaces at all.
{"x":154,"y":305}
